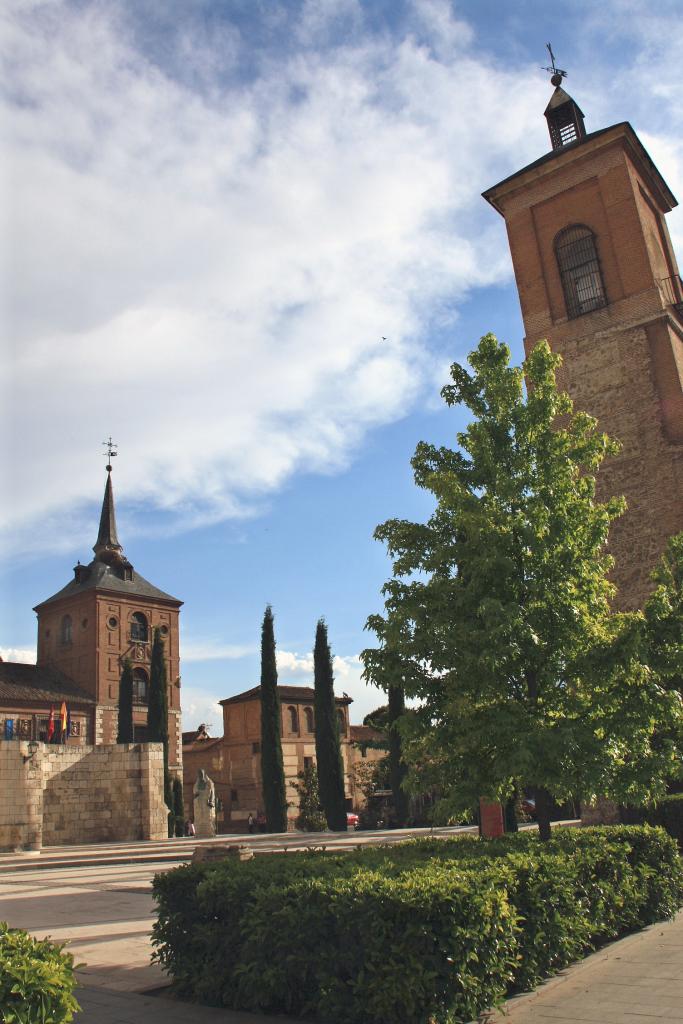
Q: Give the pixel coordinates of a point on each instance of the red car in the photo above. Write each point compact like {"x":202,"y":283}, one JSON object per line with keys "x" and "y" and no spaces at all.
{"x":352,"y":819}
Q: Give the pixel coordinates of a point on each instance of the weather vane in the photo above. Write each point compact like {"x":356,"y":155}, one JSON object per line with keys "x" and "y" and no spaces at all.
{"x":557,"y":73}
{"x":111,"y":452}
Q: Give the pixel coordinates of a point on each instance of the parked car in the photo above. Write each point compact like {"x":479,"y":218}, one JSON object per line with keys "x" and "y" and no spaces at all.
{"x":528,"y":805}
{"x":352,"y":820}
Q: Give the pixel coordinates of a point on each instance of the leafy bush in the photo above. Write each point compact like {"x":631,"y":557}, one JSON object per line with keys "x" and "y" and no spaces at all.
{"x":36,"y":980}
{"x":667,"y":813}
{"x":429,"y":930}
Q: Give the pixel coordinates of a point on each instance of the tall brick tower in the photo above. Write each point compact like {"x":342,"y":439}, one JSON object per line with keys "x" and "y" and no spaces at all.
{"x":107,"y":613}
{"x":597,"y":277}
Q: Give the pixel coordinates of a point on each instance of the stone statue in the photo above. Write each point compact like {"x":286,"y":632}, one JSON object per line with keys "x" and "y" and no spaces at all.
{"x":204,"y":794}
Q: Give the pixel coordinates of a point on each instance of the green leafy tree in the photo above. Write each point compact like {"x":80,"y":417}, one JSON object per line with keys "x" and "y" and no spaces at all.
{"x":498,"y":614}
{"x":327,"y":743}
{"x":311,"y":817}
{"x":272,"y":769}
{"x":397,"y":766}
{"x":125,"y":725}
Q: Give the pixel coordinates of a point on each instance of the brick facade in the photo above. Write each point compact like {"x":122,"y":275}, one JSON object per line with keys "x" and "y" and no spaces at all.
{"x":623,"y":363}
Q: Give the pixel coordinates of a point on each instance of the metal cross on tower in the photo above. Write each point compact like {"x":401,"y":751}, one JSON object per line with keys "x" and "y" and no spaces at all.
{"x":557,"y":73}
{"x":111,"y":452}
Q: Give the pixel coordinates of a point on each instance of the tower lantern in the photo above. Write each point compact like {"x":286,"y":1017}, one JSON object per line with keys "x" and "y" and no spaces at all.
{"x":564,"y":116}
{"x":565,"y":119}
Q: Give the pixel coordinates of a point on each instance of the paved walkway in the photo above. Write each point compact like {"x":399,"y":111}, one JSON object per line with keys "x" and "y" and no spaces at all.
{"x":639,"y":978}
{"x":101,"y":904}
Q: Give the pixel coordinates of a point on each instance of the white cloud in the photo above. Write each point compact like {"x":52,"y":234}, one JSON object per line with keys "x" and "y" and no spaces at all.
{"x":347,"y":679}
{"x":204,"y":269}
{"x":21,"y":654}
{"x":203,"y":265}
{"x":200,"y":706}
{"x":211,"y":650}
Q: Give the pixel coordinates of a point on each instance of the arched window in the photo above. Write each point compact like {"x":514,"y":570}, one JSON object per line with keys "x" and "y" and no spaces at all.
{"x":293,"y":719}
{"x":342,"y":721}
{"x":65,"y":631}
{"x":310,"y":723}
{"x":577,"y":260}
{"x":138,"y":627}
{"x":140,"y":686}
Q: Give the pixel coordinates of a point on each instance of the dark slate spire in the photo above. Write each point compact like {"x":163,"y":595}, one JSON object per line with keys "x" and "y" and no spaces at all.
{"x":107,"y":547}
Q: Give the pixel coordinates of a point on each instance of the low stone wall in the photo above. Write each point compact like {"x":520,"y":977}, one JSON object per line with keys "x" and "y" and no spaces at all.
{"x":51,"y":795}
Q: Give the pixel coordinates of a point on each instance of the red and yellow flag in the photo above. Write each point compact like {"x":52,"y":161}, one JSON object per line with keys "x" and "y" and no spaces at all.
{"x":51,"y":725}
{"x":62,"y":722}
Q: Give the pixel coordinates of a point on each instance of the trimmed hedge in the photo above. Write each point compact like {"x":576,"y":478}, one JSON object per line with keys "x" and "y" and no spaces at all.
{"x":36,"y":980}
{"x":429,"y":930}
{"x":668,"y":813}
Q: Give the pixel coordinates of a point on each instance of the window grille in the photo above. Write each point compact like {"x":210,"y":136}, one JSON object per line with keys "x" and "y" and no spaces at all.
{"x":310,"y":722}
{"x":577,"y":259}
{"x":138,"y":627}
{"x":140,"y":686}
{"x":293,"y":719}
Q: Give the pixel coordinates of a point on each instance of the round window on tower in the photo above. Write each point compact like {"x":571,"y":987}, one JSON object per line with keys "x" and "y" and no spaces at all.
{"x":163,"y":630}
{"x":84,"y":624}
{"x":113,"y":622}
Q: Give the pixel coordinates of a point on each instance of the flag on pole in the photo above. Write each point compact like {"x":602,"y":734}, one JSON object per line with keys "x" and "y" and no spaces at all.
{"x":51,"y":725}
{"x":68,"y":722}
{"x":62,"y":723}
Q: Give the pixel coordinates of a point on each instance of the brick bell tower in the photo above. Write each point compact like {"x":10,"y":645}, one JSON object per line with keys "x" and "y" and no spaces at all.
{"x":597,"y":277}
{"x":108,"y":612}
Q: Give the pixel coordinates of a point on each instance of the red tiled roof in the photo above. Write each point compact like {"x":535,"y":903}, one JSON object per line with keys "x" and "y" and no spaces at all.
{"x":38,"y":683}
{"x":366,"y":734}
{"x":293,"y":694}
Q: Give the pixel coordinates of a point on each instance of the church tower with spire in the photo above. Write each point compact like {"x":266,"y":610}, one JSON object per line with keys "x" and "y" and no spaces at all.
{"x":597,"y":276}
{"x":107,"y":613}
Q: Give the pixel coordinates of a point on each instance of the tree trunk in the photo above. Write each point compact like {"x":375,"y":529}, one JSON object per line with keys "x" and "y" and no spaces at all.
{"x":543,"y":808}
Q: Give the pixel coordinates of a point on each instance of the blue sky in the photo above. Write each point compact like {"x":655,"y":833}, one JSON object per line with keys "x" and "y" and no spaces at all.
{"x":214,"y":213}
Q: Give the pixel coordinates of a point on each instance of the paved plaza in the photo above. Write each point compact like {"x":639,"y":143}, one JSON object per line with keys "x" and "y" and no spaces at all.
{"x":98,"y":899}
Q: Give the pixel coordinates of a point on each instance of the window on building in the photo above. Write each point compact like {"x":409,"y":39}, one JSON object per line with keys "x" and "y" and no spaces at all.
{"x":140,"y":734}
{"x":577,"y":260}
{"x":342,"y":721}
{"x":310,"y":721}
{"x":139,"y":629}
{"x":256,"y":748}
{"x":293,"y":719}
{"x":66,"y":630}
{"x":234,"y":796}
{"x":140,"y":686}
{"x":308,"y":763}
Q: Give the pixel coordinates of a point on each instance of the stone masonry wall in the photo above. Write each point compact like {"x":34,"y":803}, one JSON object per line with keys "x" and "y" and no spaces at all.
{"x":58,"y":795}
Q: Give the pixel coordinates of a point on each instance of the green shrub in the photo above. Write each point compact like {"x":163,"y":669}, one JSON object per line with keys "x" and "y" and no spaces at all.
{"x":666,"y":813}
{"x":429,"y":930}
{"x":36,"y":980}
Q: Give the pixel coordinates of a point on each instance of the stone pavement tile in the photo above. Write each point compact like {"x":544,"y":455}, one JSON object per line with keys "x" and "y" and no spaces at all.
{"x":102,"y":1006}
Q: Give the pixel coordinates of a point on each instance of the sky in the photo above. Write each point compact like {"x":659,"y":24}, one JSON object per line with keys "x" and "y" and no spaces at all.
{"x":246,"y":239}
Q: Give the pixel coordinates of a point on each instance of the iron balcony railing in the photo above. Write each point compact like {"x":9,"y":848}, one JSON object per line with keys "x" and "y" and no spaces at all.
{"x":672,"y":291}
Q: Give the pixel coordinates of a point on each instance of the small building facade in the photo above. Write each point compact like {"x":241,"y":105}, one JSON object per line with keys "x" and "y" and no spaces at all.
{"x":233,"y":761}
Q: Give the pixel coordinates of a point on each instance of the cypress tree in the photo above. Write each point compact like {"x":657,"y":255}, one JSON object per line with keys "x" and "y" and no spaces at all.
{"x":178,"y":806}
{"x":397,"y":768}
{"x":157,"y":712}
{"x":327,"y":745}
{"x":125,"y":727}
{"x":272,"y":769}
